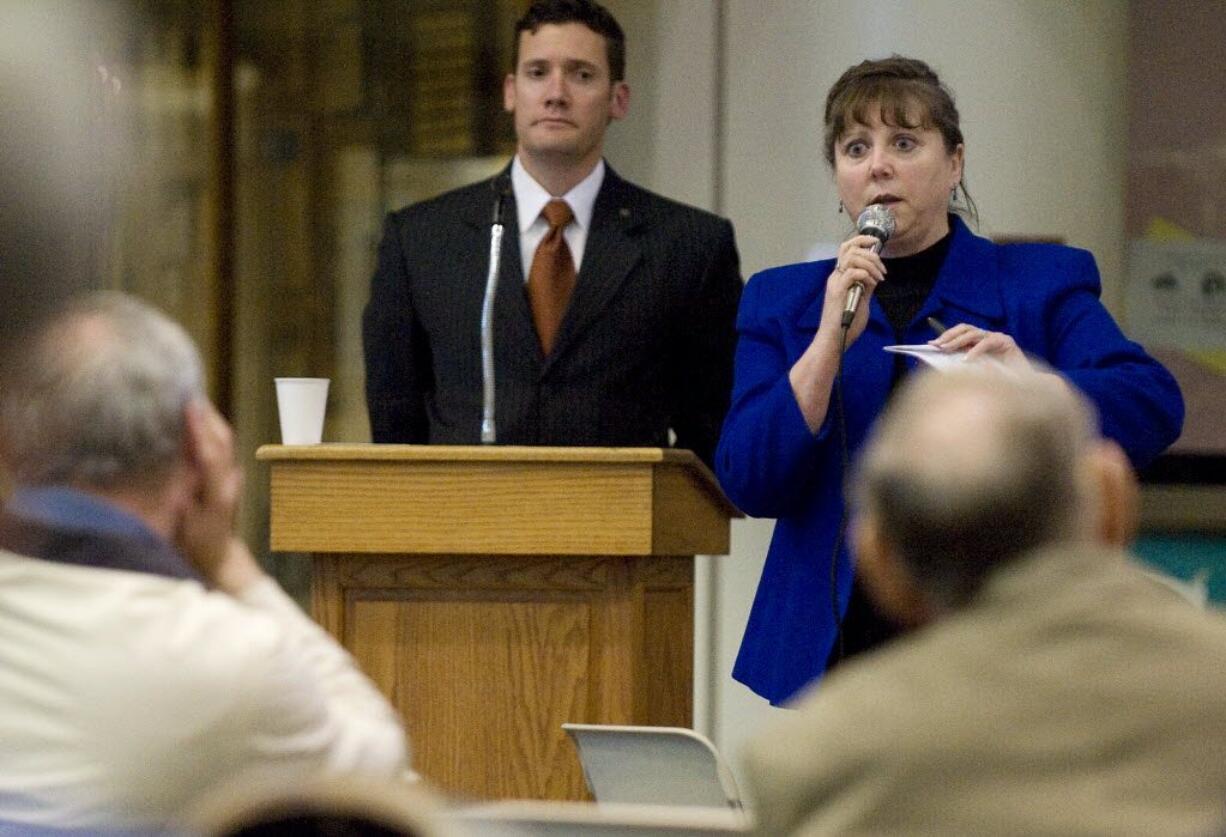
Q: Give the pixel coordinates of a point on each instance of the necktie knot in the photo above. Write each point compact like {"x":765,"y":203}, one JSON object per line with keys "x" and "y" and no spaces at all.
{"x":557,"y":213}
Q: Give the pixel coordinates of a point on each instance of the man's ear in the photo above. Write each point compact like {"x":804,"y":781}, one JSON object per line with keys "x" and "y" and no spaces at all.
{"x":191,"y":466}
{"x":1115,"y":494}
{"x":191,"y":433}
{"x":886,"y":577}
{"x":619,"y":100}
{"x":508,"y":93}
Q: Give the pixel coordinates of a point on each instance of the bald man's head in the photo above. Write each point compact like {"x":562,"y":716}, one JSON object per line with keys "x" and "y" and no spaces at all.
{"x":970,"y":469}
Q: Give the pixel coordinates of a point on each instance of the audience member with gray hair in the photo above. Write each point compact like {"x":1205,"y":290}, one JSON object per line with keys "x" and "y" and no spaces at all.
{"x":1047,"y":685}
{"x":144,"y":655}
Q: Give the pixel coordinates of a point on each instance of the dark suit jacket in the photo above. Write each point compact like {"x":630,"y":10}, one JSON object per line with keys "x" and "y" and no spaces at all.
{"x":646,"y":344}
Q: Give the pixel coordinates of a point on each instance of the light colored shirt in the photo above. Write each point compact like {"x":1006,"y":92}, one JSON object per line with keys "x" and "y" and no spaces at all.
{"x":124,"y":695}
{"x":530,"y":199}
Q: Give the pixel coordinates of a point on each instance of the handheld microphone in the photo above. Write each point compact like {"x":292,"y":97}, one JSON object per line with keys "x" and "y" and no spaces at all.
{"x":502,"y":188}
{"x":876,"y":220}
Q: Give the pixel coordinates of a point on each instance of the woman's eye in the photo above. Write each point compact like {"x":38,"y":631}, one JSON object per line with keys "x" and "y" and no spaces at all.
{"x":906,"y":143}
{"x":855,"y":149}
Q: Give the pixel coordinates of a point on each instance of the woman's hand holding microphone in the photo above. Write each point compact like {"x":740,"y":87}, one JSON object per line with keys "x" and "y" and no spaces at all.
{"x":812,"y":376}
{"x":858,"y":263}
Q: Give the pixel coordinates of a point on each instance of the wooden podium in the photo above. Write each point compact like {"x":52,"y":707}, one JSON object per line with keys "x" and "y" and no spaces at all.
{"x":494,"y":593}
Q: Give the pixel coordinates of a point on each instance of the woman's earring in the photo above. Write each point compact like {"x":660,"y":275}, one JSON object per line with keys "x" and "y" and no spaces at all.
{"x":840,"y":207}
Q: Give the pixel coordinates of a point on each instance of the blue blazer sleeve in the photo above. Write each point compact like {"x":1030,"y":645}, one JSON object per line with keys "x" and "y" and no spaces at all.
{"x":1138,"y":400}
{"x":767,"y":456}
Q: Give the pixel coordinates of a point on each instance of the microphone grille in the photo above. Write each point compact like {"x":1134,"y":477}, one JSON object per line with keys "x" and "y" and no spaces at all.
{"x":876,"y":218}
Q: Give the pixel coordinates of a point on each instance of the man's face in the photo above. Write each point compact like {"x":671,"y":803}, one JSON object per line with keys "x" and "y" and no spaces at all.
{"x":561,"y":94}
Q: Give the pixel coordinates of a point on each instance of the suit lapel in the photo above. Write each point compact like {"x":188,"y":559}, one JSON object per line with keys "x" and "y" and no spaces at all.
{"x":967,"y":283}
{"x":610,"y":254}
{"x":811,"y":317}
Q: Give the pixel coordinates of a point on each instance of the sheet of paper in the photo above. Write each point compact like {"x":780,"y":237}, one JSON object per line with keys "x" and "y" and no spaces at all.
{"x":940,"y":360}
{"x":931,"y":355}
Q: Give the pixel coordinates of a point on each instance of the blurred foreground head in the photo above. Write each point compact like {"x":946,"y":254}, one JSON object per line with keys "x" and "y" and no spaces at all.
{"x":970,"y":470}
{"x":98,"y":398}
{"x":57,"y":146}
{"x":325,"y":806}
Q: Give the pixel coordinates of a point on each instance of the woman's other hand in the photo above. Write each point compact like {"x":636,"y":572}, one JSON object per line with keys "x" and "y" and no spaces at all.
{"x":978,"y":342}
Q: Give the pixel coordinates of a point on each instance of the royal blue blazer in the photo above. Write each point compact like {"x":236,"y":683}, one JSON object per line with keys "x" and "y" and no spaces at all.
{"x":1045,"y":296}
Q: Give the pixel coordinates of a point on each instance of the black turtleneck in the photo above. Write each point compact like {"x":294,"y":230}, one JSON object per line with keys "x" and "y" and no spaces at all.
{"x":908,"y":281}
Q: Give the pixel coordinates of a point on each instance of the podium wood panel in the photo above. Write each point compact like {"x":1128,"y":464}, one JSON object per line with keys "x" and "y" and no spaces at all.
{"x":523,"y":592}
{"x":516,"y":668}
{"x":486,"y":661}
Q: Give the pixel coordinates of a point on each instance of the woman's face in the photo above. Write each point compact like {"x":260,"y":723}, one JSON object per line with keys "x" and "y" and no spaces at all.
{"x":907,"y":169}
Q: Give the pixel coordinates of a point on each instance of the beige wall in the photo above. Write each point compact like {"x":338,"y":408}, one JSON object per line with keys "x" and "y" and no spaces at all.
{"x":1042,"y":89}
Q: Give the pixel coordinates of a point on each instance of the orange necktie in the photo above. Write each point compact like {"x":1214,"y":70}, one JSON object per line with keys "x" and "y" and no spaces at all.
{"x":551,"y":279}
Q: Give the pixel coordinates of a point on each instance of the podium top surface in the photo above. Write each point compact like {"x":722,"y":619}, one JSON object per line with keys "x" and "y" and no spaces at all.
{"x":475,"y":453}
{"x":494,"y":499}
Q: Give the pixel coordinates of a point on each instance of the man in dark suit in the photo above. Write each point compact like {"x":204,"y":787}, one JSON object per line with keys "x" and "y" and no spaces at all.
{"x":613,"y":322}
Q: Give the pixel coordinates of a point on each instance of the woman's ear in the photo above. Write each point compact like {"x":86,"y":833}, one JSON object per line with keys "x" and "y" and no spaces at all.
{"x":887,"y":578}
{"x":958,"y":159}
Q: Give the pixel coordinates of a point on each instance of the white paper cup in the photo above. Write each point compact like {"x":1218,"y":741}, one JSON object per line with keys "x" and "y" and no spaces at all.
{"x":300,"y":404}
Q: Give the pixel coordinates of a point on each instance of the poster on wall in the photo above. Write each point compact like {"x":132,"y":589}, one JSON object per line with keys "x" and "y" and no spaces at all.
{"x":1176,"y":294}
{"x":1176,"y":306}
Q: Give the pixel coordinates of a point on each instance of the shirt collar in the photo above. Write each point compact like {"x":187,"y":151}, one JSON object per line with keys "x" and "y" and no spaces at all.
{"x":531,"y":197}
{"x":68,"y":526}
{"x":70,"y":508}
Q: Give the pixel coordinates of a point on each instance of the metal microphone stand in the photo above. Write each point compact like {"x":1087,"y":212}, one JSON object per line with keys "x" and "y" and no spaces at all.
{"x":488,"y":433}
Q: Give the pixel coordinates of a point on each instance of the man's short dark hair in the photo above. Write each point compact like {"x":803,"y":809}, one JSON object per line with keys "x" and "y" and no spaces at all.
{"x":592,"y":15}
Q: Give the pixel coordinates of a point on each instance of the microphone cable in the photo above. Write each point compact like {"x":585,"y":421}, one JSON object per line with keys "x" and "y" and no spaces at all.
{"x":841,"y":533}
{"x":878,"y":221}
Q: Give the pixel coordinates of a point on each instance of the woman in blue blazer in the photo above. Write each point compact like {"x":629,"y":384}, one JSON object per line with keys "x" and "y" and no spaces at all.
{"x":893,"y":138}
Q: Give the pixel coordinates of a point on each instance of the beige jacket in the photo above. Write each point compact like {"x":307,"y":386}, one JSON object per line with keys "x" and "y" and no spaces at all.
{"x":1074,"y":696}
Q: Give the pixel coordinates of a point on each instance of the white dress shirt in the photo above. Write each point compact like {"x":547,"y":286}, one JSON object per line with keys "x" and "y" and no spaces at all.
{"x":530,"y":199}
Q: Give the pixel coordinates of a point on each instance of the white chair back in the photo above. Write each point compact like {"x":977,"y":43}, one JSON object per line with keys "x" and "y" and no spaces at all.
{"x":653,"y":765}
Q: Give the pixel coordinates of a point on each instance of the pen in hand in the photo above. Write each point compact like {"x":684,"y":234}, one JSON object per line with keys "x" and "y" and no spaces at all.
{"x":937,"y":326}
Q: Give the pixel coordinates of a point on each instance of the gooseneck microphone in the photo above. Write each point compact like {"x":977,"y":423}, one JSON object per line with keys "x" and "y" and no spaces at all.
{"x":502,"y":188}
{"x":876,"y":220}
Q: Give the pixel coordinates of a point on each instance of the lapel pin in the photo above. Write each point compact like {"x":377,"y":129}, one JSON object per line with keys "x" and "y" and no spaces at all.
{"x":623,"y":212}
